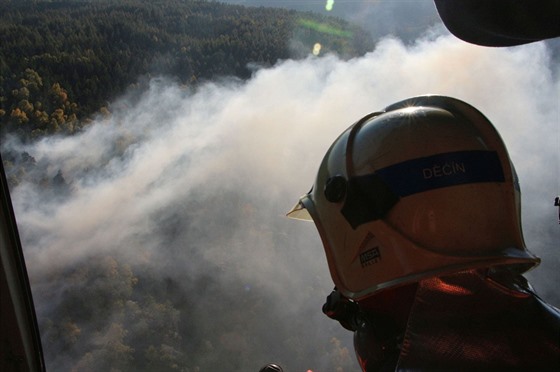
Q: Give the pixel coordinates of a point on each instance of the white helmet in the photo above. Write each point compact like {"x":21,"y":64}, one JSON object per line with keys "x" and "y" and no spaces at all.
{"x":423,"y":188}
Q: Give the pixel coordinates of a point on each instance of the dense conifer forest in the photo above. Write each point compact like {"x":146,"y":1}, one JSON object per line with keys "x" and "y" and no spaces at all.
{"x":62,"y":61}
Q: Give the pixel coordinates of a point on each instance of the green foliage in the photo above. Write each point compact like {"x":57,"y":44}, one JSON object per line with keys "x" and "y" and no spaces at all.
{"x":105,"y":318}
{"x":102,"y":314}
{"x":60,"y":62}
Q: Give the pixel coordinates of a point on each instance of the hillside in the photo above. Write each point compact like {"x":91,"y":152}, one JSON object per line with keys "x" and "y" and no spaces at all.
{"x":62,"y":62}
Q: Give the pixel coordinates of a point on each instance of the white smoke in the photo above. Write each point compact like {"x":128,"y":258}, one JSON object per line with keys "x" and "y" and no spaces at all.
{"x":185,"y":178}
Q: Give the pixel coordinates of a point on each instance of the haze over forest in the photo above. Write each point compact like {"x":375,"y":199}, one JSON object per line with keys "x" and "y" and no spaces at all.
{"x":166,"y":140}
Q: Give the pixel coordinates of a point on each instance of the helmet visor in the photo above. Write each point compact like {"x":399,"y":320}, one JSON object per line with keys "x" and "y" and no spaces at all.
{"x":299,"y":211}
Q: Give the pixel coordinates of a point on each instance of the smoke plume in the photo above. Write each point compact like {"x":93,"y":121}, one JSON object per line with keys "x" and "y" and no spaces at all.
{"x":182,"y":193}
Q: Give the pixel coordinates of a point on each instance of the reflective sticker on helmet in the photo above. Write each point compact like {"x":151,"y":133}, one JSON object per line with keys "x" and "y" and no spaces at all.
{"x":442,"y":170}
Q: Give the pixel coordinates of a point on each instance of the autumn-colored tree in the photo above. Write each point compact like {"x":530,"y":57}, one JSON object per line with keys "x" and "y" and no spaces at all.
{"x":19,"y":117}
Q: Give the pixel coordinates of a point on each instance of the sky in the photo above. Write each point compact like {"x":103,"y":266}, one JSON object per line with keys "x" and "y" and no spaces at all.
{"x":195,"y":182}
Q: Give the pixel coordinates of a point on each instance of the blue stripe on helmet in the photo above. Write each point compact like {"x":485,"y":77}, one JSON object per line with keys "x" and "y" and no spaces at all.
{"x":442,"y":170}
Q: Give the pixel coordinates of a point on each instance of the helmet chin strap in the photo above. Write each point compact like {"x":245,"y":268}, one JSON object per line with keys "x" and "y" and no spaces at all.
{"x":377,"y":336}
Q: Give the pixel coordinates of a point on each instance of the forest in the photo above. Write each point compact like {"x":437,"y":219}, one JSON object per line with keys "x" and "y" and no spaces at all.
{"x":62,"y":62}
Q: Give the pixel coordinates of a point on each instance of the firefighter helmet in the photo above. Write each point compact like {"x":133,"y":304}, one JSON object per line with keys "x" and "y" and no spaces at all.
{"x":423,"y":188}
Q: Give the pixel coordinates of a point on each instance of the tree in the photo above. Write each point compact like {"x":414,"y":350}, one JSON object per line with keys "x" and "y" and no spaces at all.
{"x":19,"y":117}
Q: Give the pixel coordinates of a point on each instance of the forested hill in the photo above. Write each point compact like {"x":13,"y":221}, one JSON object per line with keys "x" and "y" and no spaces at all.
{"x":62,"y":61}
